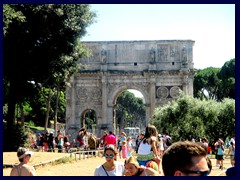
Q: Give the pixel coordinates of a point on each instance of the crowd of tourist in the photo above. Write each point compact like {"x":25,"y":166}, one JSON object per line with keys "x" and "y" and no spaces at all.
{"x":152,"y":153}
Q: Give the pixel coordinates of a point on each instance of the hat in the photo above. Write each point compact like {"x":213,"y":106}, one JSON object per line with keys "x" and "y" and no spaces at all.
{"x":22,"y":152}
{"x":132,"y":160}
{"x":123,"y":133}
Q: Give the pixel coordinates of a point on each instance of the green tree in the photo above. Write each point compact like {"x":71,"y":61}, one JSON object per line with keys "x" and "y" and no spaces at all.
{"x":189,"y":117}
{"x":227,"y":76}
{"x":206,"y":83}
{"x":215,"y":83}
{"x":129,"y":110}
{"x":9,"y":15}
{"x":44,"y":48}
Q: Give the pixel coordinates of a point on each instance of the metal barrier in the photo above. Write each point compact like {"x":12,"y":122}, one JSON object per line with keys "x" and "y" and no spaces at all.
{"x":87,"y":154}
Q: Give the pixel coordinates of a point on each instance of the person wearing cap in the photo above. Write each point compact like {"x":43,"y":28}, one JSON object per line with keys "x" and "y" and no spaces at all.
{"x":133,"y":169}
{"x":23,"y":169}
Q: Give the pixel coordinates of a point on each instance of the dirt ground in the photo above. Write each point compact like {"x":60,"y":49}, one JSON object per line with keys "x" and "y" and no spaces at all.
{"x":83,"y":167}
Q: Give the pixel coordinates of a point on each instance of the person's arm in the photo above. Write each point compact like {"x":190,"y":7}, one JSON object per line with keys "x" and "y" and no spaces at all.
{"x":154,"y":148}
{"x":32,"y":171}
{"x":151,"y":172}
{"x":60,"y":136}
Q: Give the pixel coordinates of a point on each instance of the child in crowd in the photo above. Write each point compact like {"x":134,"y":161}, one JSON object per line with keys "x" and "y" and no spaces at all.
{"x":124,"y":150}
{"x":129,"y":146}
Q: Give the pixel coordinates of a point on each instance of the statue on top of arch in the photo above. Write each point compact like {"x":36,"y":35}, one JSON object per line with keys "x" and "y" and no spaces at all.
{"x":153,"y":55}
{"x":103,"y":56}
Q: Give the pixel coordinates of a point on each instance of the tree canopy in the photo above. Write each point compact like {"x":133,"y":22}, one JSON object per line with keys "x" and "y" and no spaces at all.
{"x":189,"y":117}
{"x":41,"y":45}
{"x":215,"y":83}
{"x":130,"y":110}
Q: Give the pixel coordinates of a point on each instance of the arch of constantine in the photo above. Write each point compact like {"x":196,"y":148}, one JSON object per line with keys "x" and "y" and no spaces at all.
{"x":158,"y":69}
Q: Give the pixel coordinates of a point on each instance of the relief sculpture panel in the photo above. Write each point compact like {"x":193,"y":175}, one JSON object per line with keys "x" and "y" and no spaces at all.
{"x":162,"y":92}
{"x":95,"y":54}
{"x":162,"y":52}
{"x":175,"y":92}
{"x":174,"y":53}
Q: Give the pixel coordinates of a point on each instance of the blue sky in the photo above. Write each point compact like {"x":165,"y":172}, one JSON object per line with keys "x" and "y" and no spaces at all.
{"x":211,"y":26}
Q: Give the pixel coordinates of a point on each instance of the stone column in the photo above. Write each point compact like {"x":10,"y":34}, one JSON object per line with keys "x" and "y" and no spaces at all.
{"x":152,"y":94}
{"x":104,"y":100}
{"x":110,"y":123}
{"x":190,"y":87}
{"x":71,"y":123}
{"x":148,"y":114}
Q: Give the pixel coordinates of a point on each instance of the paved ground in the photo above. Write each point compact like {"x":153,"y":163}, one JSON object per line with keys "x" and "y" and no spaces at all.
{"x":83,"y":167}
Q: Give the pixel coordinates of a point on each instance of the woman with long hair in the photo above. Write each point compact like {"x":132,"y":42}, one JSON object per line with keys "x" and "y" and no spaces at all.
{"x":133,"y":169}
{"x":147,"y":150}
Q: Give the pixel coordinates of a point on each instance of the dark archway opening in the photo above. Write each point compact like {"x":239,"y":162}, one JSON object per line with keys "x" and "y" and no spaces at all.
{"x":129,"y":110}
{"x":89,"y":120}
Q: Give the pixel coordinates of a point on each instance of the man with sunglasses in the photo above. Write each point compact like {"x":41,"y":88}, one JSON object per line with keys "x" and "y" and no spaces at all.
{"x":23,"y":169}
{"x":185,"y":158}
{"x":110,"y":167}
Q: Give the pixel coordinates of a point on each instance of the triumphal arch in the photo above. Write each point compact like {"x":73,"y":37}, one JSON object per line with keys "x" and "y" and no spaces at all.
{"x":156,"y":68}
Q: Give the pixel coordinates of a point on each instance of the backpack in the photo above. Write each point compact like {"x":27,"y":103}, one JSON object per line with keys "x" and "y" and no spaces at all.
{"x":168,"y":142}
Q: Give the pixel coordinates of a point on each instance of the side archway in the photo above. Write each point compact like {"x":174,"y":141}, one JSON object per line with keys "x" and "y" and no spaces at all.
{"x":89,"y":120}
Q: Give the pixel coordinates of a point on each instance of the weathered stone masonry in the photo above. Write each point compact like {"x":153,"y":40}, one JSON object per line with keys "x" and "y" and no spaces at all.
{"x":158,"y":69}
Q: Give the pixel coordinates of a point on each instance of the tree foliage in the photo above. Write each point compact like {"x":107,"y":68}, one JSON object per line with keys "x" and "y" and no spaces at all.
{"x":41,"y":46}
{"x":227,"y":76}
{"x":130,"y":111}
{"x":206,"y":83}
{"x":188,"y":117}
{"x":9,"y":14}
{"x":215,"y":83}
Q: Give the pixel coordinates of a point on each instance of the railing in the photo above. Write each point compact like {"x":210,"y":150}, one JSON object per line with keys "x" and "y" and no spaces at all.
{"x":83,"y":154}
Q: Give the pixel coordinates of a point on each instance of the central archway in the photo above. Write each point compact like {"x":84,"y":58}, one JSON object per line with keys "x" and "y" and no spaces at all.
{"x":129,"y":111}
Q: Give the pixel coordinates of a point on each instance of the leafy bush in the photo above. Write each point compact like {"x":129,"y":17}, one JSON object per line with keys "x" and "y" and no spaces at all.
{"x":188,"y":117}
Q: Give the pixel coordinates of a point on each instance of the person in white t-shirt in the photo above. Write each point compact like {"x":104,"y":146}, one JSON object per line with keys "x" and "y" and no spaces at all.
{"x":110,"y":167}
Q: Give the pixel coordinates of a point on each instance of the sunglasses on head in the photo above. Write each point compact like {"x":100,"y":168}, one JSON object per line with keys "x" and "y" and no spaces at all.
{"x":201,"y":173}
{"x":107,"y":155}
{"x":29,"y":155}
